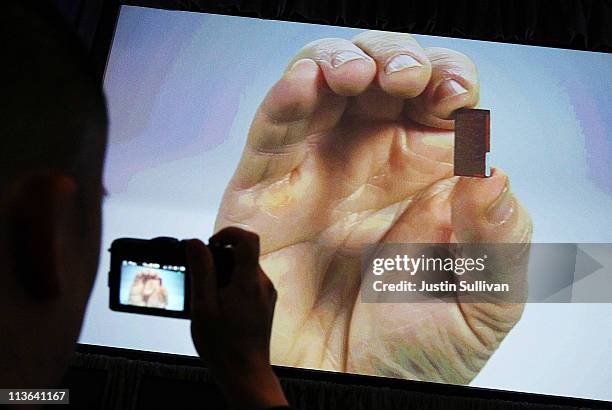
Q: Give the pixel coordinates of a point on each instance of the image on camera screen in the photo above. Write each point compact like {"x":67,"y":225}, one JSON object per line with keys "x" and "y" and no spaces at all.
{"x":152,"y":285}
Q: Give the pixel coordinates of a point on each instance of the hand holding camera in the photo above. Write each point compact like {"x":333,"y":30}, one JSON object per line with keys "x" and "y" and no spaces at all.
{"x":224,"y":291}
{"x":231,"y":324}
{"x":151,"y":277}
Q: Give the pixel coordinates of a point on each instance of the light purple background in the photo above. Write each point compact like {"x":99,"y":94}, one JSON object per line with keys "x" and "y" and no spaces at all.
{"x":182,"y":89}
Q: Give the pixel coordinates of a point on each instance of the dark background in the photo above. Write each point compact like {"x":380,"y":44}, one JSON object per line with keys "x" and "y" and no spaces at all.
{"x":576,"y":24}
{"x":122,"y":379}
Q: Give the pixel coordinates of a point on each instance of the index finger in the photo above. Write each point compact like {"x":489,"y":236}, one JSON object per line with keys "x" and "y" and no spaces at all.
{"x":309,"y":98}
{"x":403,"y":67}
{"x":202,"y":276}
{"x":245,"y":244}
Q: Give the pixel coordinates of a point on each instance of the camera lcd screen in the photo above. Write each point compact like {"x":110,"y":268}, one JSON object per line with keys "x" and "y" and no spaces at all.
{"x":152,"y":285}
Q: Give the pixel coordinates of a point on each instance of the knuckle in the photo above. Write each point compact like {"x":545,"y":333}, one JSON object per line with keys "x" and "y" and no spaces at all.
{"x":324,"y":50}
{"x":385,"y":40}
{"x":251,"y":237}
{"x":526,"y":224}
{"x":267,"y":284}
{"x":270,"y":287}
{"x":445,"y":57}
{"x":248,"y":246}
{"x":325,"y":45}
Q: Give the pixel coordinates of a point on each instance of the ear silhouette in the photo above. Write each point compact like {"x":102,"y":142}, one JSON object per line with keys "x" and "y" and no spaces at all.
{"x":39,"y":210}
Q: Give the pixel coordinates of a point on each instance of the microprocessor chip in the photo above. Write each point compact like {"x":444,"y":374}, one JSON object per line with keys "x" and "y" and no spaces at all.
{"x":472,"y":143}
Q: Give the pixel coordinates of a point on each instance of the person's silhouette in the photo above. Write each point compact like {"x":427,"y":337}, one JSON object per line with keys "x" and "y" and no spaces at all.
{"x":53,"y":137}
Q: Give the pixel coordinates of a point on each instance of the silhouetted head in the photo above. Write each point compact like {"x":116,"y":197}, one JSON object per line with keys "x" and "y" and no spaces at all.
{"x":52,"y":141}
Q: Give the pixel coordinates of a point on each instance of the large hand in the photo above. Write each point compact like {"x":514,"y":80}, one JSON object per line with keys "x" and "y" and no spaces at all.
{"x":353,"y":146}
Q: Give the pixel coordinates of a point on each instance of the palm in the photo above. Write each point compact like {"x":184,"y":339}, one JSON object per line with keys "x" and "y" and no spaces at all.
{"x":358,"y":171}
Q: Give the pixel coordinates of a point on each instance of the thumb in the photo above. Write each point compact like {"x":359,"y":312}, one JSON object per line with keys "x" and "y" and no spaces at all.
{"x":203,"y":278}
{"x":487,"y":213}
{"x":484,"y":210}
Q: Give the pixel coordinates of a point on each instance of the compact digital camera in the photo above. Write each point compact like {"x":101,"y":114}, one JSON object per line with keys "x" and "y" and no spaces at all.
{"x":151,"y":277}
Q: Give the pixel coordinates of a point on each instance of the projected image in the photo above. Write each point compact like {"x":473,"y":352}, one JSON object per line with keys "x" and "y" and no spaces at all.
{"x":353,"y":146}
{"x":327,"y":141}
{"x":147,"y":286}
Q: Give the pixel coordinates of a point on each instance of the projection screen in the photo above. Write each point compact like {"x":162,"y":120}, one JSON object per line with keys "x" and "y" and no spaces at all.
{"x":325,"y":140}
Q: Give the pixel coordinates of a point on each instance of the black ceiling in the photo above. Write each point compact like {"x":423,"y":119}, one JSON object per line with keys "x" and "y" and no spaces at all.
{"x":578,"y":24}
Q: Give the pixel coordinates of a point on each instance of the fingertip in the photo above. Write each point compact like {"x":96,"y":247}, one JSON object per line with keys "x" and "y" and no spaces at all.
{"x":451,"y":94}
{"x":454,"y":82}
{"x":246,"y":243}
{"x":232,"y":235}
{"x":306,"y":67}
{"x":352,"y":77}
{"x":193,"y":247}
{"x":198,"y":257}
{"x":407,"y":82}
{"x":479,"y":192}
{"x":296,"y":94}
{"x":453,"y":85}
{"x":486,"y":210}
{"x":347,"y":69}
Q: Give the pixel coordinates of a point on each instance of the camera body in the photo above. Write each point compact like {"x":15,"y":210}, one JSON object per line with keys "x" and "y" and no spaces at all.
{"x":149,"y":277}
{"x":152,"y":277}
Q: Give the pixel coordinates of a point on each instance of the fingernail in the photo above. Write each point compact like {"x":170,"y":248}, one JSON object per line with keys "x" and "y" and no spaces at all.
{"x":304,"y":62}
{"x":401,"y":62}
{"x":344,"y":57}
{"x":502,"y":209}
{"x":447,"y":89}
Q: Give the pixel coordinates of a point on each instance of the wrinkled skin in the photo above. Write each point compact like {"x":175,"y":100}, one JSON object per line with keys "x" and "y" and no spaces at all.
{"x":349,"y":149}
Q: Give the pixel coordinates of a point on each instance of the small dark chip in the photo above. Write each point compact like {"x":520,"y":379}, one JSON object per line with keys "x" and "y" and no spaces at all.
{"x":472,"y":143}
